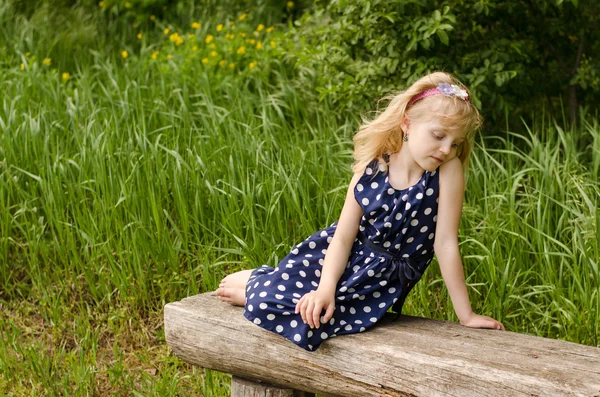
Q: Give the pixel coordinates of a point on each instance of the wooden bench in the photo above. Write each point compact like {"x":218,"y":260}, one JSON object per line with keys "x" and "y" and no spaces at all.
{"x":410,"y":357}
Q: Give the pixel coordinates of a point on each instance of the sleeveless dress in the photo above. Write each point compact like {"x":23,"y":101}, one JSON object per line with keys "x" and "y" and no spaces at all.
{"x":395,"y":237}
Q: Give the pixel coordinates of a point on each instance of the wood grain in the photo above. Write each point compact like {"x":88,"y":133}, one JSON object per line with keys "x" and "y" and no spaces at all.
{"x":410,"y":357}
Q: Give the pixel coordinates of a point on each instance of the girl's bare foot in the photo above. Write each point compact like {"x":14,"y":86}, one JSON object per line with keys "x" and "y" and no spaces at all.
{"x":232,"y":288}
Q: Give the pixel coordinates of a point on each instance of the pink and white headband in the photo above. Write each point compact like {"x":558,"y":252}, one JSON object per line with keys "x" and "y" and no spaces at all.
{"x":444,"y":89}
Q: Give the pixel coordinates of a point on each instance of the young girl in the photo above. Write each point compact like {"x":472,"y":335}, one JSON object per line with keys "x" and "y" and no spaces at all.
{"x":403,"y":203}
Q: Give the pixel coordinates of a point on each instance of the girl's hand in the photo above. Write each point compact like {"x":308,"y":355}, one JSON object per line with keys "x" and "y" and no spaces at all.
{"x":478,"y":321}
{"x":311,"y":305}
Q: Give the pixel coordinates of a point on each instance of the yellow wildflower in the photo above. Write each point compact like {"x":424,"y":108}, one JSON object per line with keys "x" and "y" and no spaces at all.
{"x":166,"y":31}
{"x":242,"y":17}
{"x":209,"y":38}
{"x":152,"y":17}
{"x":232,"y":26}
{"x":290,"y":4}
{"x":231,"y":65}
{"x":127,"y":4}
{"x":272,"y":44}
{"x":169,"y":56}
{"x":219,"y":27}
{"x":252,"y":41}
{"x":243,"y":34}
{"x":212,"y":45}
{"x":102,"y":4}
{"x":65,"y":76}
{"x":260,"y":27}
{"x":252,"y":64}
{"x":27,"y":53}
{"x":196,"y":25}
{"x":270,"y":29}
{"x":47,"y":61}
{"x":190,"y":36}
{"x":139,"y":36}
{"x":124,"y":54}
{"x":255,"y":33}
{"x":195,"y":48}
{"x":213,"y":54}
{"x":241,"y":50}
{"x":205,"y":61}
{"x":22,"y":66}
{"x":155,"y":55}
{"x":258,"y":45}
{"x":222,"y":63}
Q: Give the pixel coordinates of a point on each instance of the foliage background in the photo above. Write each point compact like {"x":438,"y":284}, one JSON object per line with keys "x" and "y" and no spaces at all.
{"x":150,"y":148}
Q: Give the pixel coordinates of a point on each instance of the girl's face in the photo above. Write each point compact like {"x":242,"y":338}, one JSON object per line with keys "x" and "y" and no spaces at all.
{"x":430,"y":144}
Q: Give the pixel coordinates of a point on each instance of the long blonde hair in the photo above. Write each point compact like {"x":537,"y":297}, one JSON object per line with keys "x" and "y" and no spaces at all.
{"x":383,"y":134}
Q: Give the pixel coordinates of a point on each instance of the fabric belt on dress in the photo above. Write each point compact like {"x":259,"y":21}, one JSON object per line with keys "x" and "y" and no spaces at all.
{"x":406,"y":269}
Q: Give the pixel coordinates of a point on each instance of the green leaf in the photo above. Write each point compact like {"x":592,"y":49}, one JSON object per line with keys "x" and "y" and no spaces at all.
{"x":443,"y":36}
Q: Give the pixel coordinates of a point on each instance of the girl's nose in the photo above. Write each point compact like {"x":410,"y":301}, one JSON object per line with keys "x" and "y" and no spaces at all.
{"x":445,"y":149}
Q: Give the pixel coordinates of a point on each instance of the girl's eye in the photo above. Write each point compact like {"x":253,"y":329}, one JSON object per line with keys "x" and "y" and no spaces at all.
{"x":437,"y":137}
{"x":455,"y":145}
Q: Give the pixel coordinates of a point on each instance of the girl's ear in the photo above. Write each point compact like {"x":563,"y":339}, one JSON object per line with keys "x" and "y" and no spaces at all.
{"x":404,"y":124}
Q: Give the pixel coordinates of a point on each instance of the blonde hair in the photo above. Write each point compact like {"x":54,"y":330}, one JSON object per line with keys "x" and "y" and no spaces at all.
{"x":383,"y":134}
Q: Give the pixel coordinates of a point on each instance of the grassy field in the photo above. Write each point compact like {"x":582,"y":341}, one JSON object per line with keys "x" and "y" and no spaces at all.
{"x":131,"y":178}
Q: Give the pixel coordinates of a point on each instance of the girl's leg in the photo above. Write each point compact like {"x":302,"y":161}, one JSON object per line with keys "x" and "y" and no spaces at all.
{"x":232,"y":288}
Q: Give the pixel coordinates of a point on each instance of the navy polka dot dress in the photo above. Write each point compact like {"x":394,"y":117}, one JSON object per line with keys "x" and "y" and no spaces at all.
{"x":401,"y":222}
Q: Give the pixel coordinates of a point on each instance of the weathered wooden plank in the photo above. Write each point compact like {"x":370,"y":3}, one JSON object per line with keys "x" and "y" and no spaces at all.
{"x":411,"y":357}
{"x":246,"y":388}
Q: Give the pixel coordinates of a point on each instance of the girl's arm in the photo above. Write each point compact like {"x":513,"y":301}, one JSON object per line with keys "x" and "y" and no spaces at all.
{"x":446,"y":245}
{"x":312,"y":303}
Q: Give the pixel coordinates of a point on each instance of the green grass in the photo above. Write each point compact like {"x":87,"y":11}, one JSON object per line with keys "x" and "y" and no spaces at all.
{"x":133,"y":184}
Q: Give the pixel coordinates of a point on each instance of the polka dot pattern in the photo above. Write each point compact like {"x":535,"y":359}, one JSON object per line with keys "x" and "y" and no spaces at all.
{"x":400,"y":221}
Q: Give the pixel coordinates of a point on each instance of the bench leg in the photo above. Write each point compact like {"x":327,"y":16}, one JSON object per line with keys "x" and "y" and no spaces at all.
{"x":247,"y":388}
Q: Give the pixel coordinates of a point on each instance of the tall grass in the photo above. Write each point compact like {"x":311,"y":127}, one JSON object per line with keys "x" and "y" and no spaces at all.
{"x":130,"y":186}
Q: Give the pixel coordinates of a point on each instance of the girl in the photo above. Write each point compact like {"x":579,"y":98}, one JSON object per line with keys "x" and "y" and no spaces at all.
{"x":404,"y":202}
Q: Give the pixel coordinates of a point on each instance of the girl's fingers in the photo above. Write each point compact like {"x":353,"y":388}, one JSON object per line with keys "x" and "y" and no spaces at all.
{"x":309,"y":317}
{"x":316,"y":315}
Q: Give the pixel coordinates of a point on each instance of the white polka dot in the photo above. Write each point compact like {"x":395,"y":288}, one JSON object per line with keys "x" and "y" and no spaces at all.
{"x":305,"y":262}
{"x":362,"y":329}
{"x":387,"y":224}
{"x":413,"y":214}
{"x":390,"y":191}
{"x":270,"y":316}
{"x":297,"y":337}
{"x":424,"y":252}
{"x":423,"y":229}
{"x":408,"y":206}
{"x":256,"y":285}
{"x":295,"y":251}
{"x":299,"y":284}
{"x":429,"y":192}
{"x":392,"y":290}
{"x":386,"y":245}
{"x":267,"y":283}
{"x":324,"y":335}
{"x":329,"y":239}
{"x":414,"y":222}
{"x":374,"y":185}
{"x":370,"y":273}
{"x":419,"y":196}
{"x":405,"y":197}
{"x":357,"y":321}
{"x":359,"y":187}
{"x":281,"y":288}
{"x":404,"y":230}
{"x":367,"y":309}
{"x":278,"y":296}
{"x":262,"y":294}
{"x":285,"y":276}
{"x":365,"y":201}
{"x":376,"y":294}
{"x":323,"y":233}
{"x":352,"y":310}
{"x":410,"y":239}
{"x":279,"y":328}
{"x":263,"y":306}
{"x":435,"y":218}
{"x":302,"y":273}
{"x":382,"y":305}
{"x":257,"y":320}
{"x":427,"y":211}
{"x":397,"y":246}
{"x":431,"y":236}
{"x":309,"y":334}
{"x":419,"y":246}
{"x":368,"y":171}
{"x":398,"y":216}
{"x":250,"y":308}
{"x":293,"y":323}
{"x":373,"y":319}
{"x":383,"y":283}
{"x":348,"y":327}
